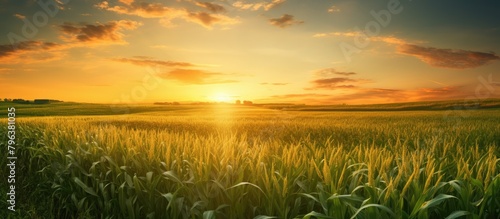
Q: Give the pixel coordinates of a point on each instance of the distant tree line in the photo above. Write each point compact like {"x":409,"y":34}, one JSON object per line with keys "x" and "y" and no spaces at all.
{"x":35,"y":101}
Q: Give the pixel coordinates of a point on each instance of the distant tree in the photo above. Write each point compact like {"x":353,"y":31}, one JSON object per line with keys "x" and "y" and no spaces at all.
{"x":6,"y":100}
{"x":246,"y":102}
{"x":238,"y":102}
{"x":41,"y":101}
{"x":19,"y":101}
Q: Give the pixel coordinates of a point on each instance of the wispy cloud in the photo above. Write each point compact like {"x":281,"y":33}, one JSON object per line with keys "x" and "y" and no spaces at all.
{"x":329,"y":72}
{"x":333,"y":9}
{"x":385,"y":39}
{"x":334,"y":83}
{"x":20,"y":16}
{"x":108,"y":33}
{"x":141,"y":9}
{"x":376,"y":95}
{"x":198,"y":77}
{"x":212,"y":7}
{"x":285,"y":20}
{"x":448,"y":58}
{"x":208,"y":20}
{"x":328,"y":78}
{"x":436,"y":57}
{"x":31,"y":52}
{"x":74,"y":35}
{"x":166,"y":14}
{"x":147,"y":61}
{"x":275,"y":84}
{"x":180,"y":71}
{"x":2,"y":70}
{"x":264,"y":5}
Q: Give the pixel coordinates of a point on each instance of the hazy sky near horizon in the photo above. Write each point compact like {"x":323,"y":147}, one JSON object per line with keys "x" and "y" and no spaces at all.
{"x":319,"y":51}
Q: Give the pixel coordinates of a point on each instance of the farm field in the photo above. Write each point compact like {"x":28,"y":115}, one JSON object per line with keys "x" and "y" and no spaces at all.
{"x":225,"y":161}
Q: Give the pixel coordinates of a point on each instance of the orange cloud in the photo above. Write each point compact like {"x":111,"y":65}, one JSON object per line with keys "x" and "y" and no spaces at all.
{"x":333,"y":9}
{"x":385,"y":39}
{"x":448,"y":58}
{"x":334,"y":83}
{"x":181,"y":71}
{"x":208,"y":20}
{"x":376,"y":95}
{"x":192,"y":76}
{"x":20,"y":16}
{"x":266,"y":6}
{"x":31,"y":52}
{"x":284,"y":21}
{"x":2,"y":70}
{"x":141,"y":9}
{"x":328,"y":72}
{"x":443,"y":58}
{"x":146,"y":61}
{"x":167,"y":14}
{"x":74,"y":35}
{"x":328,"y":79}
{"x":275,"y":84}
{"x":98,"y":33}
{"x":212,"y":7}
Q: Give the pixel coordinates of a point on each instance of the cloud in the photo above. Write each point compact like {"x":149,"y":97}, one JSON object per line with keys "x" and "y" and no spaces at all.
{"x":166,"y":15}
{"x":333,"y":9}
{"x":266,"y":6}
{"x":376,"y":95}
{"x":180,"y":71}
{"x":275,"y":84}
{"x":212,"y":7}
{"x":199,"y":77}
{"x":97,"y":33}
{"x":31,"y":52}
{"x":329,"y":79}
{"x":334,"y":83}
{"x":81,"y":35}
{"x":328,"y":72}
{"x":20,"y":16}
{"x":141,"y":9}
{"x":127,"y":2}
{"x":208,"y":20}
{"x":147,"y":61}
{"x":448,"y":58}
{"x":2,"y":70}
{"x":381,"y":95}
{"x":436,"y":57}
{"x":386,"y":39}
{"x":318,"y":35}
{"x":284,"y":21}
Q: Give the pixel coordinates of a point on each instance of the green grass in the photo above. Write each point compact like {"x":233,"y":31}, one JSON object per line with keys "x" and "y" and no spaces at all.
{"x":249,"y":162}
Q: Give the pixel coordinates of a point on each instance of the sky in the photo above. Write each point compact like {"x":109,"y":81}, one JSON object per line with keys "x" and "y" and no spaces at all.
{"x":266,"y":51}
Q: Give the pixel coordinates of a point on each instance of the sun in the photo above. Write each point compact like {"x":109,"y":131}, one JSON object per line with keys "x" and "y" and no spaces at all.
{"x":221,"y":97}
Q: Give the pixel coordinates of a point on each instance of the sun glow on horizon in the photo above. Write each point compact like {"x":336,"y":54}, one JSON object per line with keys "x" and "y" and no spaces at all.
{"x":221,"y":97}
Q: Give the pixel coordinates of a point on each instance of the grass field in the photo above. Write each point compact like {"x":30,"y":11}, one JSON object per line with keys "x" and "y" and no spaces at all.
{"x":223,"y":161}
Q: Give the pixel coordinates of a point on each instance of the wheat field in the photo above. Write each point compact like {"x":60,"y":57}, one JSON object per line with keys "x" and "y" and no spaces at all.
{"x":249,"y":162}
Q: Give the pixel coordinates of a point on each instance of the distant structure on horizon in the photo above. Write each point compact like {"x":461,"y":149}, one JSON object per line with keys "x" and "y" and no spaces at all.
{"x":245,"y":102}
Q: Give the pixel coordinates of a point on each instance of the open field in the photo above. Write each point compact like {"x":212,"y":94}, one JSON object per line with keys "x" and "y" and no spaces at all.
{"x":223,"y":161}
